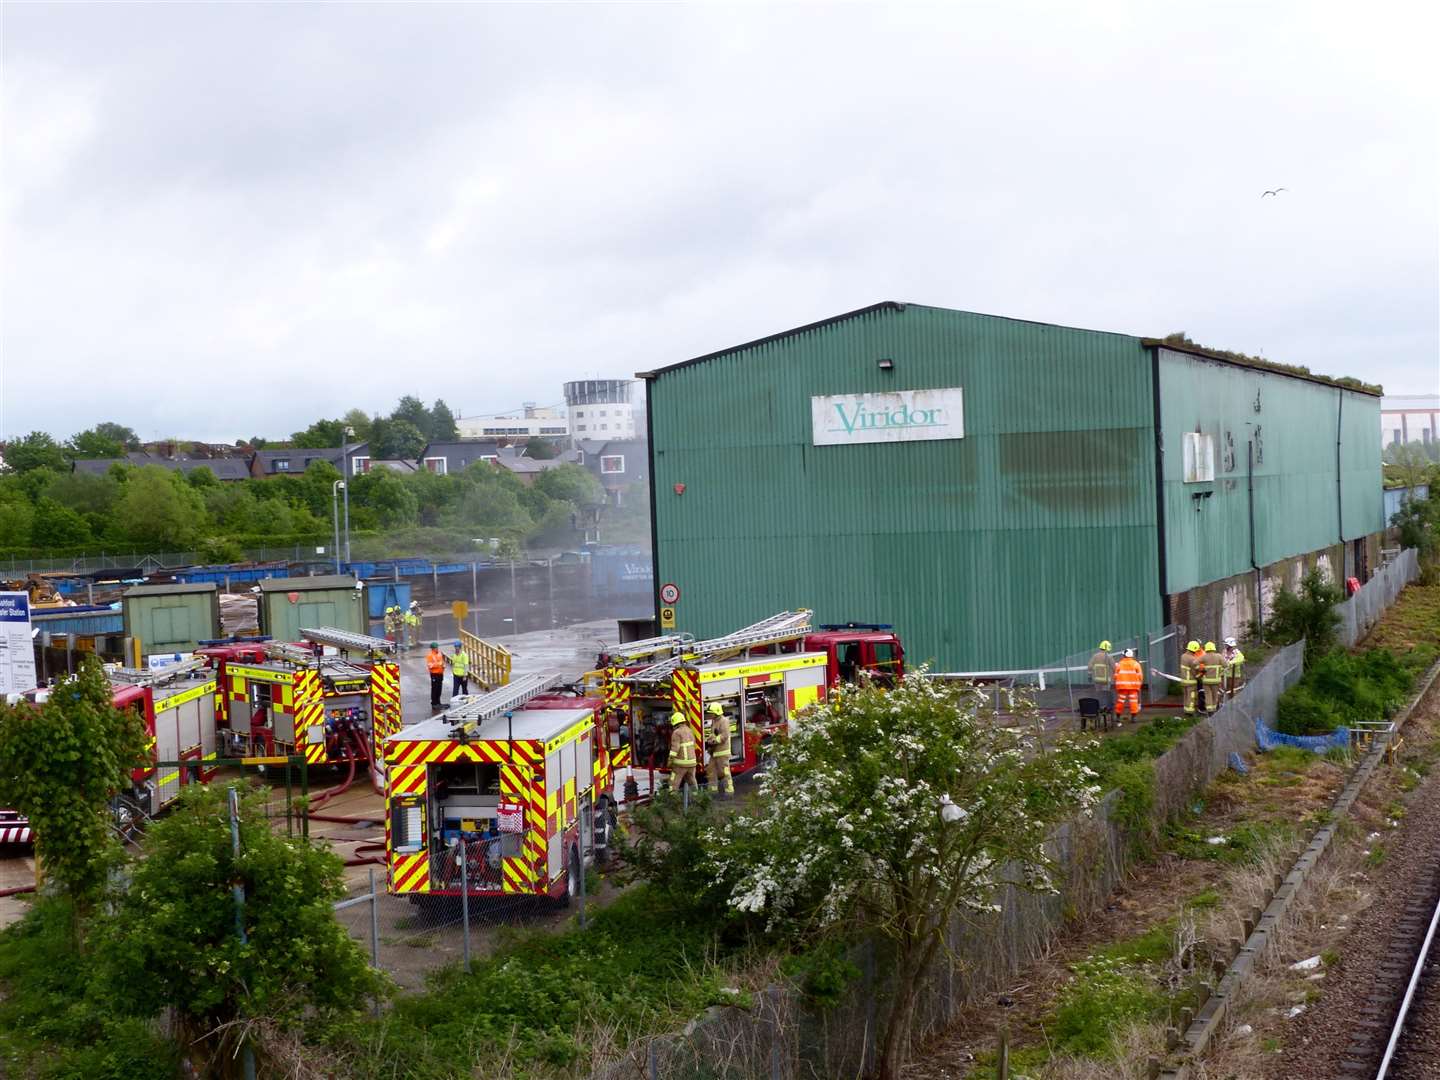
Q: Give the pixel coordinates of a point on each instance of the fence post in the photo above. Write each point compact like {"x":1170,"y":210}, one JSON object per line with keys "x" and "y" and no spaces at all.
{"x":585,"y":809}
{"x":374,"y":922}
{"x":465,"y":900}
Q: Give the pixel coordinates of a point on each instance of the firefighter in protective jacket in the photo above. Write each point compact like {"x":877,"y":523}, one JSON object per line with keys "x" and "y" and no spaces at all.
{"x":682,"y":753}
{"x":717,"y":750}
{"x":1102,"y":675}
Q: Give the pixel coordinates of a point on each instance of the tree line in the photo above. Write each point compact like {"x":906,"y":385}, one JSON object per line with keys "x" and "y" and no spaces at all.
{"x":151,"y":508}
{"x":401,"y":435}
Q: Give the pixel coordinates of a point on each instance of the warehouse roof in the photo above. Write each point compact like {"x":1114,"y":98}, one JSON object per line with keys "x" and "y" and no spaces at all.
{"x":1259,"y":364}
{"x":1237,"y":359}
{"x":307,"y":584}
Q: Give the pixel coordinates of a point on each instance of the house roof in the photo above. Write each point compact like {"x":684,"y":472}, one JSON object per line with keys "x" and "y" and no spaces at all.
{"x":307,"y":584}
{"x":223,"y":468}
{"x":305,"y":457}
{"x":459,"y":446}
{"x":619,"y":446}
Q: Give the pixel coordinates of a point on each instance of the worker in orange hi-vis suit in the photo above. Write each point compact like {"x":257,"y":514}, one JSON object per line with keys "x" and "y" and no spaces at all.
{"x":1128,"y":679}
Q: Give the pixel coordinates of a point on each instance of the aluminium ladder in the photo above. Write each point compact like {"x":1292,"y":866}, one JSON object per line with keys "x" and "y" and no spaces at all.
{"x":638,"y":650}
{"x":786,"y":626}
{"x":476,"y":709}
{"x":348,"y":640}
{"x":153,"y":677}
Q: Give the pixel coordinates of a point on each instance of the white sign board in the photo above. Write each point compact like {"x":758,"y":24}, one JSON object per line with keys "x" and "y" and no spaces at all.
{"x":902,"y":416}
{"x":17,"y":650}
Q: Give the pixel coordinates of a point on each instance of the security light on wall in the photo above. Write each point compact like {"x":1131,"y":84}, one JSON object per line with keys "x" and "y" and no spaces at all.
{"x":886,"y":364}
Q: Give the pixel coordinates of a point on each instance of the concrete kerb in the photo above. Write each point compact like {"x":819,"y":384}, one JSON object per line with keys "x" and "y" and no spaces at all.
{"x":1213,"y":1012}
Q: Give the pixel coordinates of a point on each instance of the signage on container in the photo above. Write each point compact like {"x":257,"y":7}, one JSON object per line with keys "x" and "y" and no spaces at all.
{"x":17,"y":649}
{"x":898,"y":416}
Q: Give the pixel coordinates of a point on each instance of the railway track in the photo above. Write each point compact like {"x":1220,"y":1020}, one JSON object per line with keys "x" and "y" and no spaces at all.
{"x":1396,"y":1034}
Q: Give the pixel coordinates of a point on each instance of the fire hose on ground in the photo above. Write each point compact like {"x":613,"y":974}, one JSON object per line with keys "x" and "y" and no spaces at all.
{"x":375,"y":848}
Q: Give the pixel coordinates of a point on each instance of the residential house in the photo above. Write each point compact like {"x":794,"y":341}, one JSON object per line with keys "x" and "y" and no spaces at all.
{"x":295,"y":461}
{"x":617,"y":465}
{"x":456,"y":455}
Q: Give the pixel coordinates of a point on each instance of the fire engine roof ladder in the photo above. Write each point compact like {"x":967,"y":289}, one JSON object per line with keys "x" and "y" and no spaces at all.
{"x":473,"y":711}
{"x":786,"y":626}
{"x":157,"y":677}
{"x":631,"y":651}
{"x":293,"y":654}
{"x":348,"y":640}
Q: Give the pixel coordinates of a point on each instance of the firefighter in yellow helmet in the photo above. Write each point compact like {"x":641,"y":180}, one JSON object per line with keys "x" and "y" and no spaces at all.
{"x":1102,"y":675}
{"x":717,"y":750}
{"x":1190,"y":676}
{"x":682,"y":753}
{"x":1212,"y":678}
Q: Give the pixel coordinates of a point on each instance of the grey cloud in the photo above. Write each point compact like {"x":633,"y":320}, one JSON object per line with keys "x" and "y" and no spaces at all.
{"x":484,"y":201}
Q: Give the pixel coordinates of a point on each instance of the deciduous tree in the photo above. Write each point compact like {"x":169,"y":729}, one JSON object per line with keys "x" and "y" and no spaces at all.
{"x":159,"y":510}
{"x":59,"y":765}
{"x":37,"y":450}
{"x":172,"y":943}
{"x":896,"y":811}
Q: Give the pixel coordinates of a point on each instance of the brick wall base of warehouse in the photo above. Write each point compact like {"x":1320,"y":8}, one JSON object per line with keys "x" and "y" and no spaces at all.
{"x":1225,"y":608}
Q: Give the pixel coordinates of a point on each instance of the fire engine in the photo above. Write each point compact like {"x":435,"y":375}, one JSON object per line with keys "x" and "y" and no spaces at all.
{"x":612,"y":666}
{"x":760,"y":676}
{"x":331,"y":708}
{"x":507,"y":791}
{"x":177,"y":703}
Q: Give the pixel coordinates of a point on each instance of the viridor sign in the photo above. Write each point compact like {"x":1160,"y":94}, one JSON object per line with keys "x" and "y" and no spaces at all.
{"x":902,"y":416}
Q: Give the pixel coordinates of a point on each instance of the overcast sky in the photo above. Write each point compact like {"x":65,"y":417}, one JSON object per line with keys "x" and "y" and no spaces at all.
{"x":227,"y":220}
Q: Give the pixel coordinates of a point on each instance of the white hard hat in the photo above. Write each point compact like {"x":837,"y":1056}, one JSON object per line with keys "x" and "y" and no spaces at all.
{"x":1130,"y":653}
{"x":1230,"y":641}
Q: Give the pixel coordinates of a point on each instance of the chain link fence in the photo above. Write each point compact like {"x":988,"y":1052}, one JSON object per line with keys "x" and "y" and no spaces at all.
{"x":408,"y":936}
{"x":1363,"y":610}
{"x":1057,"y":688}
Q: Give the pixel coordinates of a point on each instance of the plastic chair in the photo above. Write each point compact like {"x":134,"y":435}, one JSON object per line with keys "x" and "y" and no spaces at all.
{"x":1089,"y":710}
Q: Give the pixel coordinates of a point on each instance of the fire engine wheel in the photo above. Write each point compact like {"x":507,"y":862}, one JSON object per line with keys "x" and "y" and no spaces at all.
{"x":128,"y":817}
{"x":572,"y":878}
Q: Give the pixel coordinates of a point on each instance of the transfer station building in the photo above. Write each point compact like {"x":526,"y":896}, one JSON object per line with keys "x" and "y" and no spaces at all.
{"x":1003,"y":492}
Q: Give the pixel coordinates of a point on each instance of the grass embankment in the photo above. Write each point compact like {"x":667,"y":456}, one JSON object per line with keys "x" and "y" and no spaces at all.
{"x":1104,"y":1003}
{"x":1343,"y":688}
{"x":544,"y":1004}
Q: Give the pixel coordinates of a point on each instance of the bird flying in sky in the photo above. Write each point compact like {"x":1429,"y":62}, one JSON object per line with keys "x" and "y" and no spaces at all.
{"x":1273,"y":191}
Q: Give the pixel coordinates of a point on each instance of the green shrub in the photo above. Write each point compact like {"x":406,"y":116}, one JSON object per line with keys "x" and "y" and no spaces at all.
{"x":1135,"y":809}
{"x":1308,"y":614}
{"x":823,"y":973}
{"x":1341,"y":688}
{"x":1104,"y":998}
{"x":640,"y":967}
{"x":54,"y":1020}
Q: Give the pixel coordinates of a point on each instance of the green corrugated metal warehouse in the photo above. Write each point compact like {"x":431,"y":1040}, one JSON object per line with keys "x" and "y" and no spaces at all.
{"x":1004,"y":492}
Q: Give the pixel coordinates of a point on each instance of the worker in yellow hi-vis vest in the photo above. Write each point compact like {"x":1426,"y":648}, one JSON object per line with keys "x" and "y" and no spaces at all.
{"x":459,"y":671}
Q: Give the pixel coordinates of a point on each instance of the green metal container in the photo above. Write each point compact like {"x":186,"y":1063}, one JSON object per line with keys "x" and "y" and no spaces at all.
{"x":171,"y":618}
{"x":1033,"y":532}
{"x":289,"y":604}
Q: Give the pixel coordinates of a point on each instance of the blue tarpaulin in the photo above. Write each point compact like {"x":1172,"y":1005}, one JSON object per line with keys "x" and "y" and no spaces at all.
{"x":1268,"y":739}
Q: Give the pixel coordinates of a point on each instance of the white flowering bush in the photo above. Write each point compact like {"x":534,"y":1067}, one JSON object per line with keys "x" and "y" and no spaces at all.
{"x":890,"y":810}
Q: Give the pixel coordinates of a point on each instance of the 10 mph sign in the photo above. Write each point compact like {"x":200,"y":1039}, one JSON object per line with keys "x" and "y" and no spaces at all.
{"x":669,"y":594}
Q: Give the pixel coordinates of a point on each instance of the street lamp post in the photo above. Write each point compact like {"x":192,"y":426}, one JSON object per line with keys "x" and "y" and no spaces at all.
{"x":345,"y":472}
{"x":335,"y":515}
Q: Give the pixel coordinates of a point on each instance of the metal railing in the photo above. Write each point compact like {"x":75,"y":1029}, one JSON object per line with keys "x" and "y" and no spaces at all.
{"x":491,"y":664}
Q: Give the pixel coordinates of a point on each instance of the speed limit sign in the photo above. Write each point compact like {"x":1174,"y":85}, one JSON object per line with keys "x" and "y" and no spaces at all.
{"x":669,"y":593}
